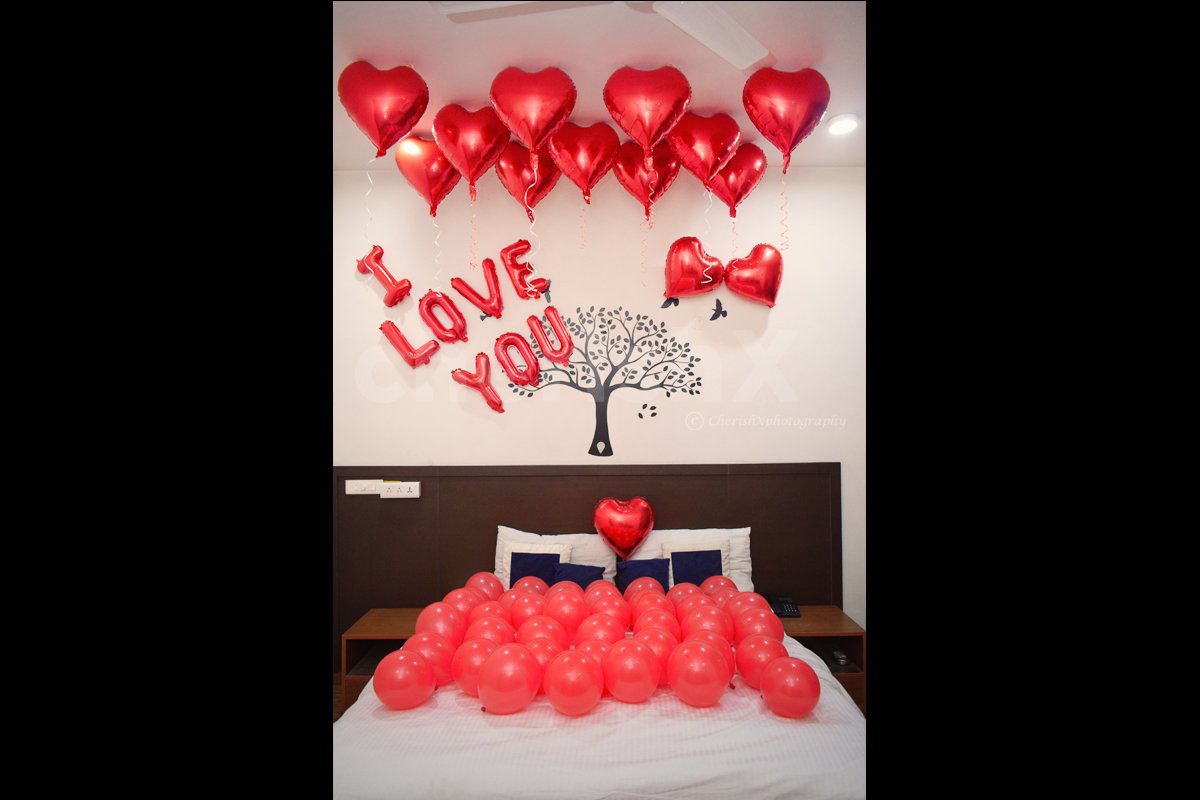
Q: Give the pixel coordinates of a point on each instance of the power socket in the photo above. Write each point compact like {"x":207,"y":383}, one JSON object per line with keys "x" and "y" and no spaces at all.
{"x":399,"y":489}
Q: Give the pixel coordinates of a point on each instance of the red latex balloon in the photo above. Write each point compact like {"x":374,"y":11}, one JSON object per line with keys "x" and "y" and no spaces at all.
{"x":470,"y":140}
{"x":757,"y":621}
{"x":704,"y":144}
{"x":403,"y":679}
{"x":585,"y":155}
{"x":690,"y":270}
{"x":560,"y":354}
{"x":493,"y":304}
{"x":680,"y":591}
{"x":533,"y":105}
{"x":598,"y":589}
{"x":543,"y":626}
{"x":532,"y":583}
{"x":497,"y":629}
{"x":568,"y":608}
{"x":714,"y":583}
{"x":489,"y":608}
{"x":646,"y":104}
{"x":658,"y":618}
{"x":509,"y":679}
{"x":527,"y":374}
{"x":623,"y":524}
{"x":506,"y":599}
{"x":646,"y":183}
{"x":481,"y":381}
{"x":721,"y":643}
{"x":384,"y":104}
{"x":437,"y":650}
{"x":615,"y":607}
{"x":651,"y":599}
{"x":710,"y":618}
{"x":456,"y":331}
{"x":786,"y":106}
{"x":691,"y":601}
{"x":515,"y":170}
{"x":600,"y":626}
{"x":525,"y":607}
{"x":563,"y":586}
{"x":745,"y":600}
{"x":723,"y":596}
{"x":544,"y":649}
{"x":596,"y":648}
{"x":487,"y":583}
{"x":426,"y":170}
{"x":790,"y":687}
{"x":444,"y":620}
{"x":467,"y":661}
{"x":739,"y":177}
{"x":757,"y":276}
{"x":696,"y":671}
{"x":631,"y":671}
{"x":637,"y":584}
{"x":662,"y":642}
{"x":754,"y":654}
{"x":463,"y":599}
{"x":573,"y":683}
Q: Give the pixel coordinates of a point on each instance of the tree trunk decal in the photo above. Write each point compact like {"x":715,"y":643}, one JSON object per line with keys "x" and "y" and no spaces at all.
{"x":615,"y":349}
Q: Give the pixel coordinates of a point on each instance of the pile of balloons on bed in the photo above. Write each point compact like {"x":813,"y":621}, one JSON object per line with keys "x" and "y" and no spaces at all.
{"x":574,"y":646}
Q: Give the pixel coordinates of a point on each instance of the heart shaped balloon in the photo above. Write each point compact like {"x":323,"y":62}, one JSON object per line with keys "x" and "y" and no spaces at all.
{"x":623,"y":524}
{"x":704,"y":144}
{"x":427,"y":170}
{"x":786,"y":106}
{"x":757,"y":276}
{"x":384,"y":104}
{"x":533,"y":104}
{"x":515,"y":169}
{"x":646,"y":104}
{"x":646,"y":184}
{"x":739,"y":177}
{"x":584,"y":155}
{"x":690,"y":270}
{"x":470,"y":140}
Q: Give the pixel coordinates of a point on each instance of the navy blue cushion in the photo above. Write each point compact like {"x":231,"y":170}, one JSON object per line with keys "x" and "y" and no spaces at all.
{"x":695,"y":566}
{"x":582,"y":574}
{"x":541,"y":565}
{"x":629,"y":571}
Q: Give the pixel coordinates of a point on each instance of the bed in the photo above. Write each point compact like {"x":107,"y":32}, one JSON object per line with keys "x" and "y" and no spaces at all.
{"x":449,"y":748}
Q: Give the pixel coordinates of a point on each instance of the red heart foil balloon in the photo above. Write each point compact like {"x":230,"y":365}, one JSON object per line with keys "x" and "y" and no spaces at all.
{"x":584,"y":155}
{"x":515,"y":169}
{"x":624,"y":524}
{"x":704,"y":144}
{"x":786,"y":106}
{"x":757,"y":276}
{"x":646,"y":184}
{"x":690,"y":270}
{"x":470,"y":140}
{"x":739,"y":177}
{"x":384,"y":104}
{"x":646,"y":104}
{"x":533,"y":104}
{"x":429,"y":172}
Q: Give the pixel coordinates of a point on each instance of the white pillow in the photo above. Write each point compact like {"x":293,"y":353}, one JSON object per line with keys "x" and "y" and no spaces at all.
{"x":685,"y":544}
{"x":652,"y":547}
{"x":585,"y":548}
{"x":740,"y":567}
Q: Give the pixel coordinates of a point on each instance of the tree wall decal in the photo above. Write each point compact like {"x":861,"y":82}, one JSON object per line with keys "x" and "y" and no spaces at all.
{"x":615,"y":349}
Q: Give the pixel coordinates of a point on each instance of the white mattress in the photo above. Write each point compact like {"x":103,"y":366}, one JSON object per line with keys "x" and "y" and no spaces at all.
{"x":663,"y":748}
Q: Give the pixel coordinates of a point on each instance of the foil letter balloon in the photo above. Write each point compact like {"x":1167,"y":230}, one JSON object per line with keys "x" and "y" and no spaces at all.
{"x":384,"y":104}
{"x":480,"y":380}
{"x":786,"y":106}
{"x":527,"y":375}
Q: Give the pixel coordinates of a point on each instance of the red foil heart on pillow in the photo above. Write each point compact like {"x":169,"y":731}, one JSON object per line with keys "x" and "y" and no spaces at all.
{"x":623,"y":524}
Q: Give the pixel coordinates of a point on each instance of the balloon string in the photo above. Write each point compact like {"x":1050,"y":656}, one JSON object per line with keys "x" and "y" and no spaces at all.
{"x":583,"y":227}
{"x":707,"y":230}
{"x":437,"y":256}
{"x":733,"y":229}
{"x":537,"y":240}
{"x":645,"y":226}
{"x":365,"y":196}
{"x":783,"y":215}
{"x":471,"y":257}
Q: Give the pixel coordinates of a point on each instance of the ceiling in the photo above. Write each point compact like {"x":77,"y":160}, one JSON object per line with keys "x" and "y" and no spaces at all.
{"x":458,"y":56}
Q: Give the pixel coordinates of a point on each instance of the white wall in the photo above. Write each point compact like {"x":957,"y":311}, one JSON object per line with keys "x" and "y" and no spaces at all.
{"x":785,"y":384}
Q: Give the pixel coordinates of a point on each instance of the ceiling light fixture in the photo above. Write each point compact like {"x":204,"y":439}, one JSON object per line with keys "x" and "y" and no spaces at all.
{"x":843,"y":124}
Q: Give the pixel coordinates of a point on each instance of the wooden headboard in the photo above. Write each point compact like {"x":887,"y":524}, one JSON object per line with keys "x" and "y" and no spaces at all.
{"x":411,"y":552}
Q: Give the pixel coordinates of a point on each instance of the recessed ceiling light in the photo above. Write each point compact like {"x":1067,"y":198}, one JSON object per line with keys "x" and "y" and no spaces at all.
{"x":843,"y":124}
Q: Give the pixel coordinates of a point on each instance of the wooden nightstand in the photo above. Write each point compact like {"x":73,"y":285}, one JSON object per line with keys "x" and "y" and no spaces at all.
{"x":377,"y":633}
{"x":826,"y":630}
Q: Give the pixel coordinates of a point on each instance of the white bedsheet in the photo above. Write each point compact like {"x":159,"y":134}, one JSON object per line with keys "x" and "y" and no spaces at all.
{"x":663,"y":748}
